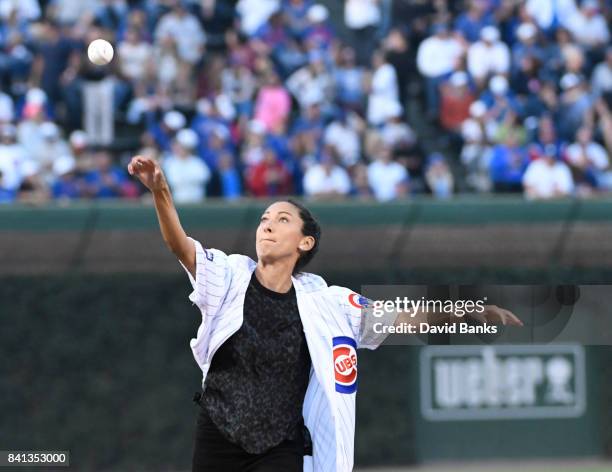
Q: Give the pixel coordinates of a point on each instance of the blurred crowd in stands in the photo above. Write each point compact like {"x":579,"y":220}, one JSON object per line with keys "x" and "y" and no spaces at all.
{"x":368,"y":99}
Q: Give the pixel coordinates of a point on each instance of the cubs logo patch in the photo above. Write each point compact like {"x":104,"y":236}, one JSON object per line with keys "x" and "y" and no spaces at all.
{"x":358,"y":301}
{"x":209,"y":255}
{"x":345,"y":364}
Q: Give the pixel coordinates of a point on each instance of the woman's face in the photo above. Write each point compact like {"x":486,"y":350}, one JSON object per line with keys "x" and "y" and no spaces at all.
{"x":279,"y":234}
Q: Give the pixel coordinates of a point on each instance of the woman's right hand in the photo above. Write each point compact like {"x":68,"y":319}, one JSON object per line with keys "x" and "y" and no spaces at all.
{"x":148,"y":172}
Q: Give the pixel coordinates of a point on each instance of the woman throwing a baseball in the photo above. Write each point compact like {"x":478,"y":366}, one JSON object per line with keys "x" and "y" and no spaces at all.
{"x":276,"y":345}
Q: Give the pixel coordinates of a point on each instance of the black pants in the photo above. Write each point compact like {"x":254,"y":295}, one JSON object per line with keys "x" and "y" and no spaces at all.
{"x":212,"y":452}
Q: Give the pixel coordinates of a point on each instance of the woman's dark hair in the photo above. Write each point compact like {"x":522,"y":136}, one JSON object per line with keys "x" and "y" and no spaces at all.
{"x":310,"y":227}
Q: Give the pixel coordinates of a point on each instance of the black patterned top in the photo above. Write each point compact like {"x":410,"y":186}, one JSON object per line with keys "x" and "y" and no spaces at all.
{"x":255,"y":388}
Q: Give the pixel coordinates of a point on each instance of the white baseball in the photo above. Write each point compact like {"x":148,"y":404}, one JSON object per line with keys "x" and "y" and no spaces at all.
{"x":100,"y":52}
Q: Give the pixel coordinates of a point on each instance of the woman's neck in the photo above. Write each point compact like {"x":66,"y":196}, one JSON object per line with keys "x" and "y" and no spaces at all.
{"x":274,"y":276}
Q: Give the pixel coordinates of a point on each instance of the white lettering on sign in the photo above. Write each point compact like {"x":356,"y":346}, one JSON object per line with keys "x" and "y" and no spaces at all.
{"x":475,"y":382}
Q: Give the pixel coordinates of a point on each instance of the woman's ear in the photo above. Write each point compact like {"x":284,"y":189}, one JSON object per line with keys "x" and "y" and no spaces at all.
{"x":307,"y":243}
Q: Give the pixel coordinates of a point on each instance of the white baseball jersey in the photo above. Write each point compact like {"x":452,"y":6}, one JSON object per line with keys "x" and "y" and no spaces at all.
{"x":331,"y":317}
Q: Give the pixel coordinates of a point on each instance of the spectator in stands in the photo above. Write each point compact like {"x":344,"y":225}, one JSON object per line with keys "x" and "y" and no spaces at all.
{"x":187,"y":55}
{"x":362,"y":18}
{"x":489,"y":56}
{"x":575,"y":103}
{"x":437,"y":57}
{"x":7,"y":108}
{"x":271,"y":35}
{"x":53,"y":54}
{"x":508,"y":163}
{"x":318,"y":34}
{"x":7,"y":195}
{"x":32,"y":189}
{"x":400,"y":55}
{"x":438,"y":176}
{"x":296,"y":13}
{"x":135,"y":57}
{"x":548,"y":177}
{"x":164,"y":132}
{"x":350,"y":80}
{"x":550,"y":14}
{"x":253,"y":148}
{"x":395,"y":132}
{"x":187,"y":174}
{"x":270,"y":177}
{"x":601,"y":81}
{"x":186,"y":31}
{"x":476,"y":155}
{"x":588,"y":26}
{"x":314,"y":79}
{"x":273,"y":104}
{"x":12,"y":158}
{"x":106,"y":180}
{"x":384,"y":89}
{"x":67,"y":185}
{"x":587,"y":159}
{"x":360,"y":183}
{"x":326,"y":179}
{"x":388,"y":179}
{"x":51,"y":147}
{"x":254,"y":13}
{"x":231,"y":186}
{"x":471,"y":22}
{"x":527,"y":44}
{"x":343,"y":135}
{"x":456,"y":99}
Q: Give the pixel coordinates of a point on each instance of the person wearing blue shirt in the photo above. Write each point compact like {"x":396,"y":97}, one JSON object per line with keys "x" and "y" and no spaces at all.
{"x":106,"y":180}
{"x":508,"y":165}
{"x":472,"y":21}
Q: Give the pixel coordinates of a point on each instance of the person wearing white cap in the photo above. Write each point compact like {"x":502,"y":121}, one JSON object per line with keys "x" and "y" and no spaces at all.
{"x":186,"y":173}
{"x":588,"y":26}
{"x":318,"y":34}
{"x":164,"y":132}
{"x":488,"y":56}
{"x":317,"y":13}
{"x":575,"y":104}
{"x":67,"y":185}
{"x":527,"y":44}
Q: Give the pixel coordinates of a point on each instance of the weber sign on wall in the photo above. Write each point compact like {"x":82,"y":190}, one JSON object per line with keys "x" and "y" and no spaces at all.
{"x":461,"y":383}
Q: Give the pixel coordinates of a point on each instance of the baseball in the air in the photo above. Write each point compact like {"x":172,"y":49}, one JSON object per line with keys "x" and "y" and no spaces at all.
{"x":100,"y":52}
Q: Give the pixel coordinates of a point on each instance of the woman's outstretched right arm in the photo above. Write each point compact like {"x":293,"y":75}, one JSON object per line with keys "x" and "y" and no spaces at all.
{"x":151,"y":175}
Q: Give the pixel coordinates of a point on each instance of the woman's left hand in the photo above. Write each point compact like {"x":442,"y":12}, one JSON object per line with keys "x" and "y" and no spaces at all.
{"x":495,"y":315}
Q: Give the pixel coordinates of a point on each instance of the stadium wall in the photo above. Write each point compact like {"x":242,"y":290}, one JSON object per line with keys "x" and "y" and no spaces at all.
{"x":94,"y":345}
